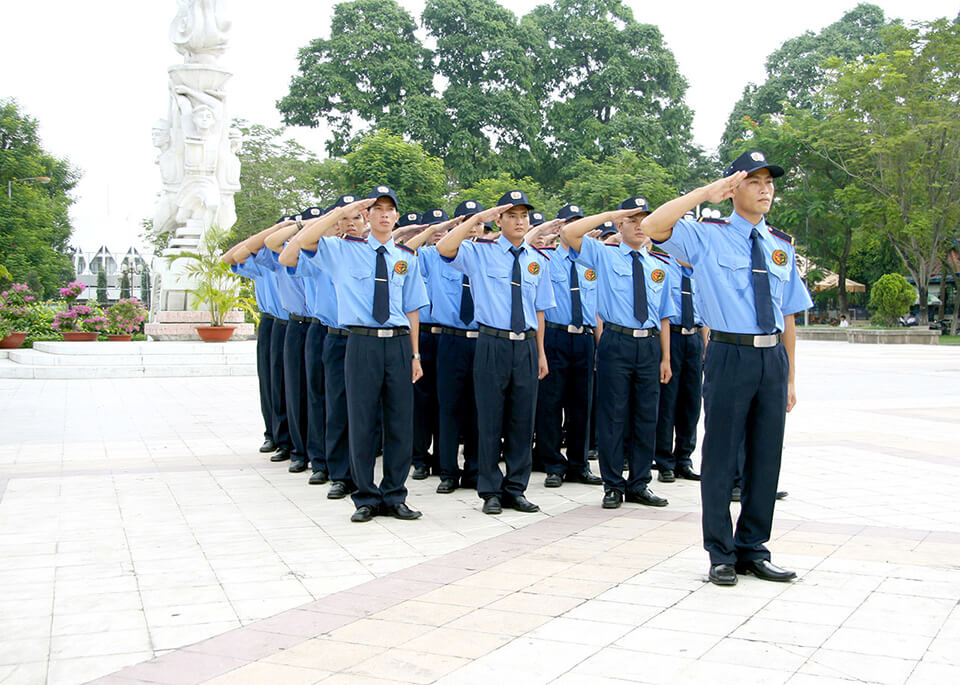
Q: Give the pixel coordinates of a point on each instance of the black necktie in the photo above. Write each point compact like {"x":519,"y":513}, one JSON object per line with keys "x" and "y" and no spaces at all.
{"x":516,"y":303}
{"x":639,"y":289}
{"x":381,"y":288}
{"x":466,"y":300}
{"x":686,"y":302}
{"x":761,"y":285}
{"x":576,"y":316}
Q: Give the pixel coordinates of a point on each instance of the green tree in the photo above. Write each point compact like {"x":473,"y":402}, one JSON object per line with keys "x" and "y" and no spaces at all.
{"x":102,"y":284}
{"x":372,"y":71}
{"x":34,"y":221}
{"x":488,"y":191}
{"x":600,"y":186}
{"x":125,"y":285}
{"x":384,"y":158}
{"x":890,"y":298}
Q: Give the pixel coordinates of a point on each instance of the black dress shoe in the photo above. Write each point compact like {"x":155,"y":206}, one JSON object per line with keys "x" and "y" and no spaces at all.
{"x":764,"y":570}
{"x":282,"y":455}
{"x":491,"y":505}
{"x":338,"y":490}
{"x":686,"y":473}
{"x":612,"y":499}
{"x":666,"y":476}
{"x":586,"y":477}
{"x":781,"y":494}
{"x":553,"y":480}
{"x":447,"y":485}
{"x":363,"y":514}
{"x":735,"y":495}
{"x":268,"y":446}
{"x":421,"y":472}
{"x":401,"y":511}
{"x":646,"y":497}
{"x":297,"y":466}
{"x":722,"y":574}
{"x":319,"y":477}
{"x":521,"y":503}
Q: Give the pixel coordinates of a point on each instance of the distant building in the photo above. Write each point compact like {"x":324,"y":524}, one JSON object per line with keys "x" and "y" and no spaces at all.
{"x":89,"y":264}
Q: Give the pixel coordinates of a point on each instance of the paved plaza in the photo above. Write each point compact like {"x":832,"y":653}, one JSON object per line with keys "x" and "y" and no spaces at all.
{"x":144,"y":540}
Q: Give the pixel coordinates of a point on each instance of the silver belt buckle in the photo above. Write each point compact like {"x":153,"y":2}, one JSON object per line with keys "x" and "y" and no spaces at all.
{"x":384,"y":333}
{"x":639,"y":333}
{"x":765,"y":340}
{"x":436,"y":330}
{"x":517,"y":336}
{"x":574,"y":329}
{"x":687,"y":331}
{"x":473,"y":334}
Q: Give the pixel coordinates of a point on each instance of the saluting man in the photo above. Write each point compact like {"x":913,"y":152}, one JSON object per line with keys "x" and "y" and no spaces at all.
{"x":511,"y":289}
{"x":750,"y":289}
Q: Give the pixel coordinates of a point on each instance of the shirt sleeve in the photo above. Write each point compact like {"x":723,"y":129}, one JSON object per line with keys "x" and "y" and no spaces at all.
{"x":248,"y":269}
{"x":327,"y":255}
{"x":588,"y":254}
{"x":414,"y":291}
{"x":668,"y":307}
{"x":305,"y":267}
{"x":796,"y":297}
{"x":545,"y":298}
{"x":686,"y":242}
{"x":267,"y":259}
{"x":426,"y":258}
{"x":466,"y":260}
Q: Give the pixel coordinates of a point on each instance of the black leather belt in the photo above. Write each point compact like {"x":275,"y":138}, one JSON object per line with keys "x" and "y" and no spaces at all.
{"x":430,"y":328}
{"x":684,"y":331}
{"x":311,"y":319}
{"x":337,"y":331}
{"x":264,"y":315}
{"x":380,"y":332}
{"x":509,"y":335}
{"x":576,"y":330}
{"x":632,"y":332}
{"x":461,"y":332}
{"x":282,"y":322}
{"x":769,"y":340}
{"x":299,"y":319}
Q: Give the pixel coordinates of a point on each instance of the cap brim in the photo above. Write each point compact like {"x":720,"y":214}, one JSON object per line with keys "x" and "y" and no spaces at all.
{"x":775,"y":171}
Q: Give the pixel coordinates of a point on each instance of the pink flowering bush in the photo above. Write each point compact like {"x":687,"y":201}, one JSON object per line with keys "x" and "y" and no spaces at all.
{"x":72,"y":291}
{"x":80,"y":317}
{"x":15,"y":305}
{"x":126,"y":316}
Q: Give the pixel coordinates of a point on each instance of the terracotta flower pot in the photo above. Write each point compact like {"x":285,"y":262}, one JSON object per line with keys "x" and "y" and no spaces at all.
{"x":119,"y":337}
{"x":215,"y":333}
{"x":12,"y":341}
{"x":79,"y":336}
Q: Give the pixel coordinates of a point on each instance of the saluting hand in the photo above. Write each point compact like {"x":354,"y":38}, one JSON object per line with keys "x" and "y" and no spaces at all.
{"x":722,"y":189}
{"x":491,"y":214}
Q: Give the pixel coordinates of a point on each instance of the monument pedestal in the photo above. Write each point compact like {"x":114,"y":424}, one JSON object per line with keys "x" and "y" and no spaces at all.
{"x":181,"y":325}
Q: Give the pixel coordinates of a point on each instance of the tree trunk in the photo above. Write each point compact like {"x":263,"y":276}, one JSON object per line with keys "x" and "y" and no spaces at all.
{"x":923,"y":290}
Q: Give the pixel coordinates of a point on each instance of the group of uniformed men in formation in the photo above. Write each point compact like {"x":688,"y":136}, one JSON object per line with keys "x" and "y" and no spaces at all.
{"x":413,"y":334}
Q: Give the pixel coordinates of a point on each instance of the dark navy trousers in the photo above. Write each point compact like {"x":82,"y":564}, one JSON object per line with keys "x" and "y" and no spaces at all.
{"x":336,"y":438}
{"x":316,"y":414}
{"x":505,"y":387}
{"x":264,"y":333}
{"x":379,"y":369}
{"x":563,"y":401}
{"x":278,"y":400}
{"x":745,"y":405}
{"x":680,"y":402}
{"x":628,"y":390}
{"x":425,"y":409}
{"x":295,"y":386}
{"x":457,"y":406}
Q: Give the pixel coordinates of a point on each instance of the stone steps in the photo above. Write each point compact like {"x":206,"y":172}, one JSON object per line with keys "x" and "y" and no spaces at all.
{"x":65,"y":360}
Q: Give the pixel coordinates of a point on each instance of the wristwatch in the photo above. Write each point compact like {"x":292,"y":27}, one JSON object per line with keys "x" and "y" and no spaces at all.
{"x":417,"y":356}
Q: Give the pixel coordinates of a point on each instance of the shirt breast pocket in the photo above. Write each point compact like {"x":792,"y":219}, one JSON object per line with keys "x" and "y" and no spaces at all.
{"x":779,"y":277}
{"x":737,"y":272}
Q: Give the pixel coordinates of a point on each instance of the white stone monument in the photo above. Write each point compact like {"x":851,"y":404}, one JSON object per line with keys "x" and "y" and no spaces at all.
{"x":199,"y":166}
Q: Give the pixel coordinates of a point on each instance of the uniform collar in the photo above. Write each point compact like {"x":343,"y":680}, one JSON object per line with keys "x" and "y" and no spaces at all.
{"x":564,"y":251}
{"x":505,"y":244}
{"x":626,"y":250}
{"x":744,"y":227}
{"x":374,"y":243}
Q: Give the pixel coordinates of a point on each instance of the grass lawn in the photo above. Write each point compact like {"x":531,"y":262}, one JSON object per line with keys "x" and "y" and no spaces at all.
{"x":950,"y":339}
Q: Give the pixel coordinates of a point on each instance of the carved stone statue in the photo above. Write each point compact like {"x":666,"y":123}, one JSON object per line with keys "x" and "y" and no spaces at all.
{"x":199,"y":30}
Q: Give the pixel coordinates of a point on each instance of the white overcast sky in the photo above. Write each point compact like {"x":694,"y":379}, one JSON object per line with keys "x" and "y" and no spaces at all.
{"x":94,"y":74}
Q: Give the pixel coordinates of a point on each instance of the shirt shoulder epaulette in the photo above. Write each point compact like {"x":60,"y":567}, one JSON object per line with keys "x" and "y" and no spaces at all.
{"x":542,"y":253}
{"x":722,"y":222}
{"x":780,"y":234}
{"x":662,"y":257}
{"x":354,"y":239}
{"x":550,"y":247}
{"x":484,"y":241}
{"x":405,"y":248}
{"x":612,"y":244}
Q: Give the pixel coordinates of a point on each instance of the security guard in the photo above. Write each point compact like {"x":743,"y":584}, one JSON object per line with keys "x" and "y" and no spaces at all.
{"x":379,"y":293}
{"x":635,"y":306}
{"x":511,"y":289}
{"x":750,"y":290}
{"x":680,"y":399}
{"x":565,"y":396}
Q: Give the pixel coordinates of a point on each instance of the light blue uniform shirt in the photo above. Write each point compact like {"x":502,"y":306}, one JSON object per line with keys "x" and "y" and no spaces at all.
{"x":265,"y":285}
{"x":676,"y":272}
{"x":290,"y":289}
{"x":445,"y":288}
{"x":352,"y":263}
{"x":614,"y":267}
{"x":318,"y":288}
{"x":721,"y":256}
{"x":426,"y":314}
{"x":489,"y":264}
{"x":560,"y":261}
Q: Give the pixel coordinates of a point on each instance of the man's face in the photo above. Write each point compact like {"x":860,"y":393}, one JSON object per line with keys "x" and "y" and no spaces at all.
{"x":630,"y":230}
{"x":514,"y":222}
{"x":383,"y":216}
{"x":754,"y":195}
{"x":435,"y":238}
{"x":351,"y":225}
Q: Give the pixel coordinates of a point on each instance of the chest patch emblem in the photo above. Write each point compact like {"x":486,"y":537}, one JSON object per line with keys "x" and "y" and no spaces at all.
{"x":533,"y":268}
{"x":779,"y":257}
{"x":400,"y":268}
{"x":657,"y":276}
{"x":590,"y":275}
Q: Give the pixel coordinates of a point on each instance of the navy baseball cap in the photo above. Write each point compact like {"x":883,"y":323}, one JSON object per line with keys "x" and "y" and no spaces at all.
{"x":468,"y":208}
{"x":434,"y":216}
{"x":536,"y":218}
{"x":516,"y":197}
{"x":751,"y":161}
{"x":286,"y":217}
{"x":312,"y":213}
{"x":409,"y":219}
{"x":570,"y":212}
{"x":607,"y":228}
{"x":343,"y":201}
{"x":638,"y":203}
{"x":384,"y":191}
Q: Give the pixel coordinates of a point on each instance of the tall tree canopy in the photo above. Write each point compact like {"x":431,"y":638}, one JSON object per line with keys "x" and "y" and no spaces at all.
{"x":34,"y":220}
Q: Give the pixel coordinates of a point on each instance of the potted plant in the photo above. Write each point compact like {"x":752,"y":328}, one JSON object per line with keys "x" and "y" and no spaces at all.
{"x":125,"y":318}
{"x":15,"y":306}
{"x":80,"y":323}
{"x":218,"y":288}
